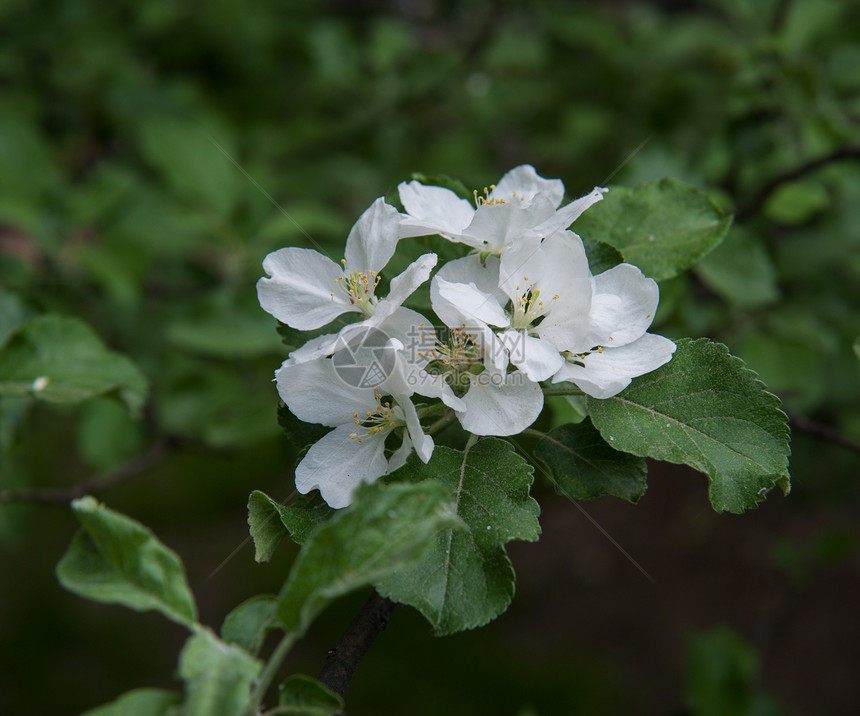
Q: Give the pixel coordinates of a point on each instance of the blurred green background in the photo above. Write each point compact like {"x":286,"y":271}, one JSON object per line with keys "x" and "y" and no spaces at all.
{"x":122,"y":127}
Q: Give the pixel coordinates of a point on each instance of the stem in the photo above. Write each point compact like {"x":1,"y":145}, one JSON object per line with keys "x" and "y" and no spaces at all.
{"x":270,"y":670}
{"x":758,"y":200}
{"x":823,"y":431}
{"x":562,"y":391}
{"x":134,"y":467}
{"x":343,"y":659}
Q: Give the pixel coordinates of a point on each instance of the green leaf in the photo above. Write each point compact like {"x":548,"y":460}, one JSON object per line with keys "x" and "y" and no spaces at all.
{"x":856,"y":347}
{"x":247,"y":625}
{"x":740,"y":270}
{"x":270,"y":521}
{"x":601,"y":256}
{"x":184,"y":150}
{"x":704,"y":409}
{"x":298,"y":432}
{"x":216,"y":403}
{"x":566,"y":408}
{"x":301,"y":695}
{"x":224,"y":326}
{"x":116,"y":560}
{"x":466,"y":579}
{"x":107,"y":435}
{"x":721,"y":672}
{"x":387,"y":528}
{"x":583,"y":465}
{"x":663,"y":227}
{"x":141,"y":702}
{"x":796,"y":202}
{"x":23,"y":145}
{"x":59,"y":359}
{"x":13,"y":313}
{"x":218,"y":676}
{"x":293,"y":338}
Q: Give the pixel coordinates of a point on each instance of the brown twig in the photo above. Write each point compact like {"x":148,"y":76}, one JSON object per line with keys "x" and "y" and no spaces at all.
{"x":824,"y":431}
{"x":343,"y":659}
{"x":758,"y":200}
{"x":50,"y":496}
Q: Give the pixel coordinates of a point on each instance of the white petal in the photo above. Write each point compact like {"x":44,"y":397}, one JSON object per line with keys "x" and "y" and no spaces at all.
{"x":538,"y":358}
{"x":466,"y":270}
{"x":319,"y":347}
{"x":495,"y":352}
{"x":415,"y":333}
{"x":469,"y":302}
{"x":569,"y":213}
{"x":422,"y":443}
{"x":624,"y":304}
{"x":496,"y":226}
{"x":315,"y":393}
{"x":527,"y":183}
{"x":373,"y":238}
{"x":557,"y":265}
{"x":500,"y":404}
{"x":336,"y":464}
{"x":403,"y":285}
{"x":302,"y":291}
{"x":608,"y":373}
{"x":398,"y":459}
{"x":433,"y":210}
{"x":469,"y":269}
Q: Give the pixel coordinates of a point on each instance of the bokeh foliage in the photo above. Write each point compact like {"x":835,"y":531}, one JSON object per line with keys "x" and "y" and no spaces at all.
{"x":152,"y":153}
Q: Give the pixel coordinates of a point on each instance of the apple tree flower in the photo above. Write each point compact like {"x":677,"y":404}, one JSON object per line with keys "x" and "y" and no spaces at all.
{"x":521,"y":204}
{"x":537,"y":297}
{"x":362,"y":418}
{"x":623,"y":305}
{"x":490,"y":401}
{"x":307,"y":290}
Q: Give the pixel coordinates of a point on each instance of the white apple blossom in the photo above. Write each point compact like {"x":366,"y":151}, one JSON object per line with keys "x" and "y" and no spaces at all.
{"x":362,"y":418}
{"x":490,"y":401}
{"x":522,"y":204}
{"x":307,"y":290}
{"x":623,"y":305}
{"x":537,"y":297}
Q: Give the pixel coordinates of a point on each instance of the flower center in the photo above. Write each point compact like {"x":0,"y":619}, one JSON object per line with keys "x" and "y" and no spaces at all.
{"x":485,"y":200}
{"x":359,"y":288}
{"x":457,"y":359}
{"x":374,"y":422}
{"x":527,"y":310}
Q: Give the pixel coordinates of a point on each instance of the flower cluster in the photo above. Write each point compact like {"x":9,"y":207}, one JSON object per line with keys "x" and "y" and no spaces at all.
{"x":521,"y":308}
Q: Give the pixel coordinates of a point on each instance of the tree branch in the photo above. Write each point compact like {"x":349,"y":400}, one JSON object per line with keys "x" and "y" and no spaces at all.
{"x":343,"y":659}
{"x":758,"y":200}
{"x":823,"y":431}
{"x":134,"y":467}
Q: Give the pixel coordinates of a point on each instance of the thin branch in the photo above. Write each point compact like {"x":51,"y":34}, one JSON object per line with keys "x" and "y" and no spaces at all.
{"x":823,"y":431}
{"x":270,"y":671}
{"x":50,"y":496}
{"x":342,"y":661}
{"x":758,"y":200}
